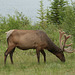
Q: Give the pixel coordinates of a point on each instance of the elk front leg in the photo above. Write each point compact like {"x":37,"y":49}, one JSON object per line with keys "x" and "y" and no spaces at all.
{"x":38,"y":54}
{"x":43,"y":53}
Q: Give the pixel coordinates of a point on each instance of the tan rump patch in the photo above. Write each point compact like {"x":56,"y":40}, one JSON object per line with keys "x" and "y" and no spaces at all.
{"x":9,"y":33}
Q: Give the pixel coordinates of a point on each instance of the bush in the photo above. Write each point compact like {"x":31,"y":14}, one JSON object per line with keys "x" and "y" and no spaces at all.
{"x":17,"y":21}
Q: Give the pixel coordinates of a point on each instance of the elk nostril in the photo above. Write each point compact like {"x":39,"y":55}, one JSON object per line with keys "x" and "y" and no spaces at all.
{"x":63,"y":60}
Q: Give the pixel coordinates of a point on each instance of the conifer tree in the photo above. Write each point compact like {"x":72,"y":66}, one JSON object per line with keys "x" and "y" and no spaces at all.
{"x":57,"y":10}
{"x":41,"y":14}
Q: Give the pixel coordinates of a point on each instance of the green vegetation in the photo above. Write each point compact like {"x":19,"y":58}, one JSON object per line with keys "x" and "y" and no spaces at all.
{"x":57,"y":10}
{"x":25,"y":62}
{"x":41,"y":13}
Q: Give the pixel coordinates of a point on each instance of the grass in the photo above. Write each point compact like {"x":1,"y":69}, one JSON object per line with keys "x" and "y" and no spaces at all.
{"x":25,"y":63}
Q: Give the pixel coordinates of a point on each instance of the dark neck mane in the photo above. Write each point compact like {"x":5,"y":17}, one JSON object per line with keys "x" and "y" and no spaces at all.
{"x":53,"y":48}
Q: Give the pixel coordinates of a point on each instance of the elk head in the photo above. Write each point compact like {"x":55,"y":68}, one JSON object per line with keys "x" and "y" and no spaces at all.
{"x":63,"y":44}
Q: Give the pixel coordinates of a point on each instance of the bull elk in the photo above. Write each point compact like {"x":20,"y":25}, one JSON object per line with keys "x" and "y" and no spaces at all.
{"x":34,"y":39}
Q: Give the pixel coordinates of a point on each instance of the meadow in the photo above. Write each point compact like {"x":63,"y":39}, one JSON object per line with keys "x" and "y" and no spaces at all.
{"x":25,"y":63}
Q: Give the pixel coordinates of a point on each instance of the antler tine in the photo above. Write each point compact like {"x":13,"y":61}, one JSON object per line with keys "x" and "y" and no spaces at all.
{"x":66,"y":37}
{"x":60,"y":36}
{"x":69,"y":48}
{"x":68,"y":45}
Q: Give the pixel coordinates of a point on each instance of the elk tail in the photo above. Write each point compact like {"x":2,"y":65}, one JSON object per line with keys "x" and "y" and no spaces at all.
{"x":8,"y":33}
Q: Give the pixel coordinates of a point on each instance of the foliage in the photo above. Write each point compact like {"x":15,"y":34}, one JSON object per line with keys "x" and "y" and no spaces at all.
{"x":69,"y":21}
{"x":48,"y":16}
{"x":17,"y":21}
{"x":62,"y":14}
{"x":41,"y":14}
{"x":56,"y":11}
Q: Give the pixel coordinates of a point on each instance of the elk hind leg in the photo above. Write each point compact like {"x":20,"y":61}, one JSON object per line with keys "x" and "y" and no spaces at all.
{"x":11,"y":55}
{"x":5,"y":57}
{"x":9,"y":50}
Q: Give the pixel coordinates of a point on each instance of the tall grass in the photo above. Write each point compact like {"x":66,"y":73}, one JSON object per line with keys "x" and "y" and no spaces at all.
{"x":25,"y":63}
